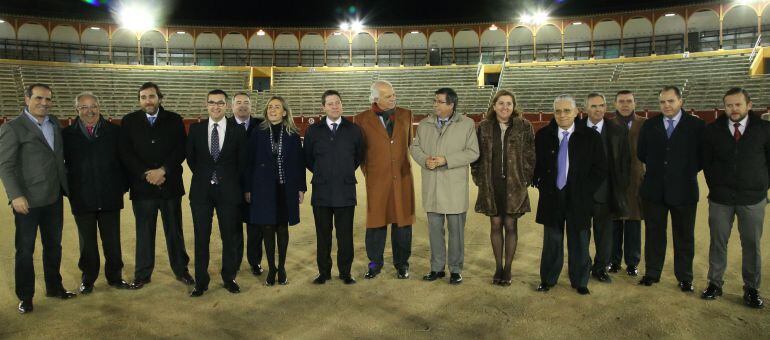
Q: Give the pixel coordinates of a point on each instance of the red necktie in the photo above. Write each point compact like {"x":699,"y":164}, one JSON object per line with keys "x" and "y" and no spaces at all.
{"x":90,"y":130}
{"x":737,"y":133}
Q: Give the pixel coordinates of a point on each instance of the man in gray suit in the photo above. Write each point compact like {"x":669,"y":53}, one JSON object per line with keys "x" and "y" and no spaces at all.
{"x":32,"y":171}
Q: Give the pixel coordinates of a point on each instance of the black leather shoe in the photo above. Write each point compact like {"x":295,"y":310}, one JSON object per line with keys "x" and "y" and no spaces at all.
{"x":186,"y":279}
{"x":282,"y":280}
{"x":86,"y":288}
{"x":320,"y":279}
{"x":270,"y":280}
{"x":232,"y":287}
{"x":632,"y":271}
{"x":613,"y":268}
{"x":139,"y":283}
{"x":543,"y":287}
{"x":62,"y":294}
{"x":257,"y":270}
{"x":583,"y":290}
{"x":648,"y":281}
{"x":455,"y":279}
{"x":348,"y":280}
{"x":433,"y":276}
{"x":122,"y":284}
{"x":686,"y":286}
{"x":198,"y":292}
{"x":371,"y":273}
{"x":25,"y":306}
{"x":602,"y":276}
{"x":750,"y":297}
{"x":403,"y":273}
{"x":711,"y":292}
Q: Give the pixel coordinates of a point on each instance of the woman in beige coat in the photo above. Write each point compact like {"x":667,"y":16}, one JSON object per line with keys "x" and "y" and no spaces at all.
{"x":503,"y":172}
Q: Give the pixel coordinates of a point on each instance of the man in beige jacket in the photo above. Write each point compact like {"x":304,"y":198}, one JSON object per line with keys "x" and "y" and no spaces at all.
{"x":444,"y":147}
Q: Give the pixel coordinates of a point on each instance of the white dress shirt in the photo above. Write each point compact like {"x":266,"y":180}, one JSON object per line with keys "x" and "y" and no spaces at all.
{"x":329,"y":122}
{"x":599,"y":125}
{"x":741,"y":128}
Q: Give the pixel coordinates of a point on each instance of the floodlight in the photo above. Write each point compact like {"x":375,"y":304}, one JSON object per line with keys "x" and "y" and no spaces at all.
{"x":357,"y":25}
{"x":577,"y":23}
{"x":669,"y":14}
{"x":337,"y":33}
{"x":260,"y":33}
{"x":2,"y":21}
{"x":493,"y":27}
{"x":136,"y":17}
{"x":95,"y":28}
{"x":344,"y":26}
{"x":414,"y":32}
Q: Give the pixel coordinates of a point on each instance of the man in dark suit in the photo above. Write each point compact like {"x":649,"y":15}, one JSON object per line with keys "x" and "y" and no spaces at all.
{"x":569,"y":167}
{"x":97,"y":185}
{"x":610,"y":199}
{"x":627,"y":228}
{"x":152,"y":147}
{"x":32,"y":171}
{"x":217,"y":155}
{"x":670,"y":147}
{"x":242,"y":117}
{"x":333,"y":150}
{"x":736,"y":162}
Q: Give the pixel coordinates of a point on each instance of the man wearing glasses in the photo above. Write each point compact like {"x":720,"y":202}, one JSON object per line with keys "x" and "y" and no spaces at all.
{"x":216,"y":154}
{"x":97,"y":185}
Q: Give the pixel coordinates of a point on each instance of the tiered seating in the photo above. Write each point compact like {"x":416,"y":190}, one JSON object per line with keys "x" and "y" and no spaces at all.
{"x":703,"y":79}
{"x":9,"y":92}
{"x":414,"y":88}
{"x":184,"y":90}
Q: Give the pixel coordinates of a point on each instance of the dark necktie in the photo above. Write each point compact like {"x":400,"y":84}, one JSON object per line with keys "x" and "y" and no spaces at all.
{"x":91,"y":131}
{"x":737,"y":134}
{"x":596,"y":128}
{"x":334,"y":129}
{"x":670,"y":128}
{"x":244,"y":126}
{"x":214,"y":150}
{"x":151,"y":119}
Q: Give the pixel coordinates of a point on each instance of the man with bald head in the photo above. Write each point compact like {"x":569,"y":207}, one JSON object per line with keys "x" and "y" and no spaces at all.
{"x":570,"y":166}
{"x":387,"y":135}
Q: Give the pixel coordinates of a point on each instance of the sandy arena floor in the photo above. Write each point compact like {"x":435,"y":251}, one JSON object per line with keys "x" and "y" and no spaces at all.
{"x":385,"y":307}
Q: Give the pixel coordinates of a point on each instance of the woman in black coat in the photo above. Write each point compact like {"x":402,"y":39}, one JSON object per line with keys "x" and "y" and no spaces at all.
{"x":276,"y":182}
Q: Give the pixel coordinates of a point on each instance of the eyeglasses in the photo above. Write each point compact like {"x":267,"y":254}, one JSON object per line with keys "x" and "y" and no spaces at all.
{"x":212,"y":103}
{"x":91,"y":107}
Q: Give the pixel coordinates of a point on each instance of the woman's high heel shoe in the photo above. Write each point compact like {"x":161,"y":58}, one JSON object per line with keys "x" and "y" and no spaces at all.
{"x":498,"y":276}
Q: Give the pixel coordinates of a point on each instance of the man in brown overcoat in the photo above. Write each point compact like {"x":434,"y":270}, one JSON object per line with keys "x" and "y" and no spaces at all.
{"x":627,"y":230}
{"x":387,"y":132}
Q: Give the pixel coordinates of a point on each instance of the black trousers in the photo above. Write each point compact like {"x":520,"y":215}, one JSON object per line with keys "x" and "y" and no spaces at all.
{"x":146,"y":215}
{"x":602,"y":226}
{"x":253,"y":244}
{"x":341,"y":219}
{"x":229,"y":216}
{"x":400,"y":241}
{"x":49,"y":219}
{"x":683,"y":232}
{"x":578,"y":239}
{"x":107,"y":223}
{"x":626,"y":242}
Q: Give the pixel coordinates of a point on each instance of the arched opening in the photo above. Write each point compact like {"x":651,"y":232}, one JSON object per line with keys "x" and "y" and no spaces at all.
{"x":312,"y":49}
{"x":124,"y":47}
{"x":466,"y":47}
{"x":363,"y":50}
{"x":493,"y":46}
{"x":669,"y":34}
{"x":606,"y":38}
{"x":703,"y":31}
{"x":520,"y":45}
{"x":208,"y":50}
{"x":337,"y":50}
{"x":234,"y":51}
{"x":181,"y":49}
{"x":153,"y":47}
{"x":440,"y":43}
{"x":637,"y":38}
{"x":286,"y":50}
{"x":260,"y":49}
{"x":389,"y":49}
{"x":739,"y":28}
{"x":33,"y":42}
{"x":96,"y":45}
{"x":577,"y":41}
{"x":415,"y":47}
{"x":65,"y":44}
{"x":548,"y":42}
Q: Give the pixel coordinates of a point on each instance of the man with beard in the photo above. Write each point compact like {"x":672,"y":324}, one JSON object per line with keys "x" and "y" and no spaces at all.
{"x":152,"y":147}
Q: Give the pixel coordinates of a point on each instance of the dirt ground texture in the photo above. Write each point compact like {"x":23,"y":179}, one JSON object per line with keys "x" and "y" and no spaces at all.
{"x":384,"y":307}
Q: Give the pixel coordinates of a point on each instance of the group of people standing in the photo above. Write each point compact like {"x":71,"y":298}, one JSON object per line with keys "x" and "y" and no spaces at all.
{"x":602,"y":173}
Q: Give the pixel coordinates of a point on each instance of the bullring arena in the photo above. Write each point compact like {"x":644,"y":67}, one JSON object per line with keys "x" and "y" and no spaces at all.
{"x":703,"y":47}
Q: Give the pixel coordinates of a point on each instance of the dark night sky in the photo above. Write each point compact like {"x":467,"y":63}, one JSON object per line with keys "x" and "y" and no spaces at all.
{"x":329,"y":13}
